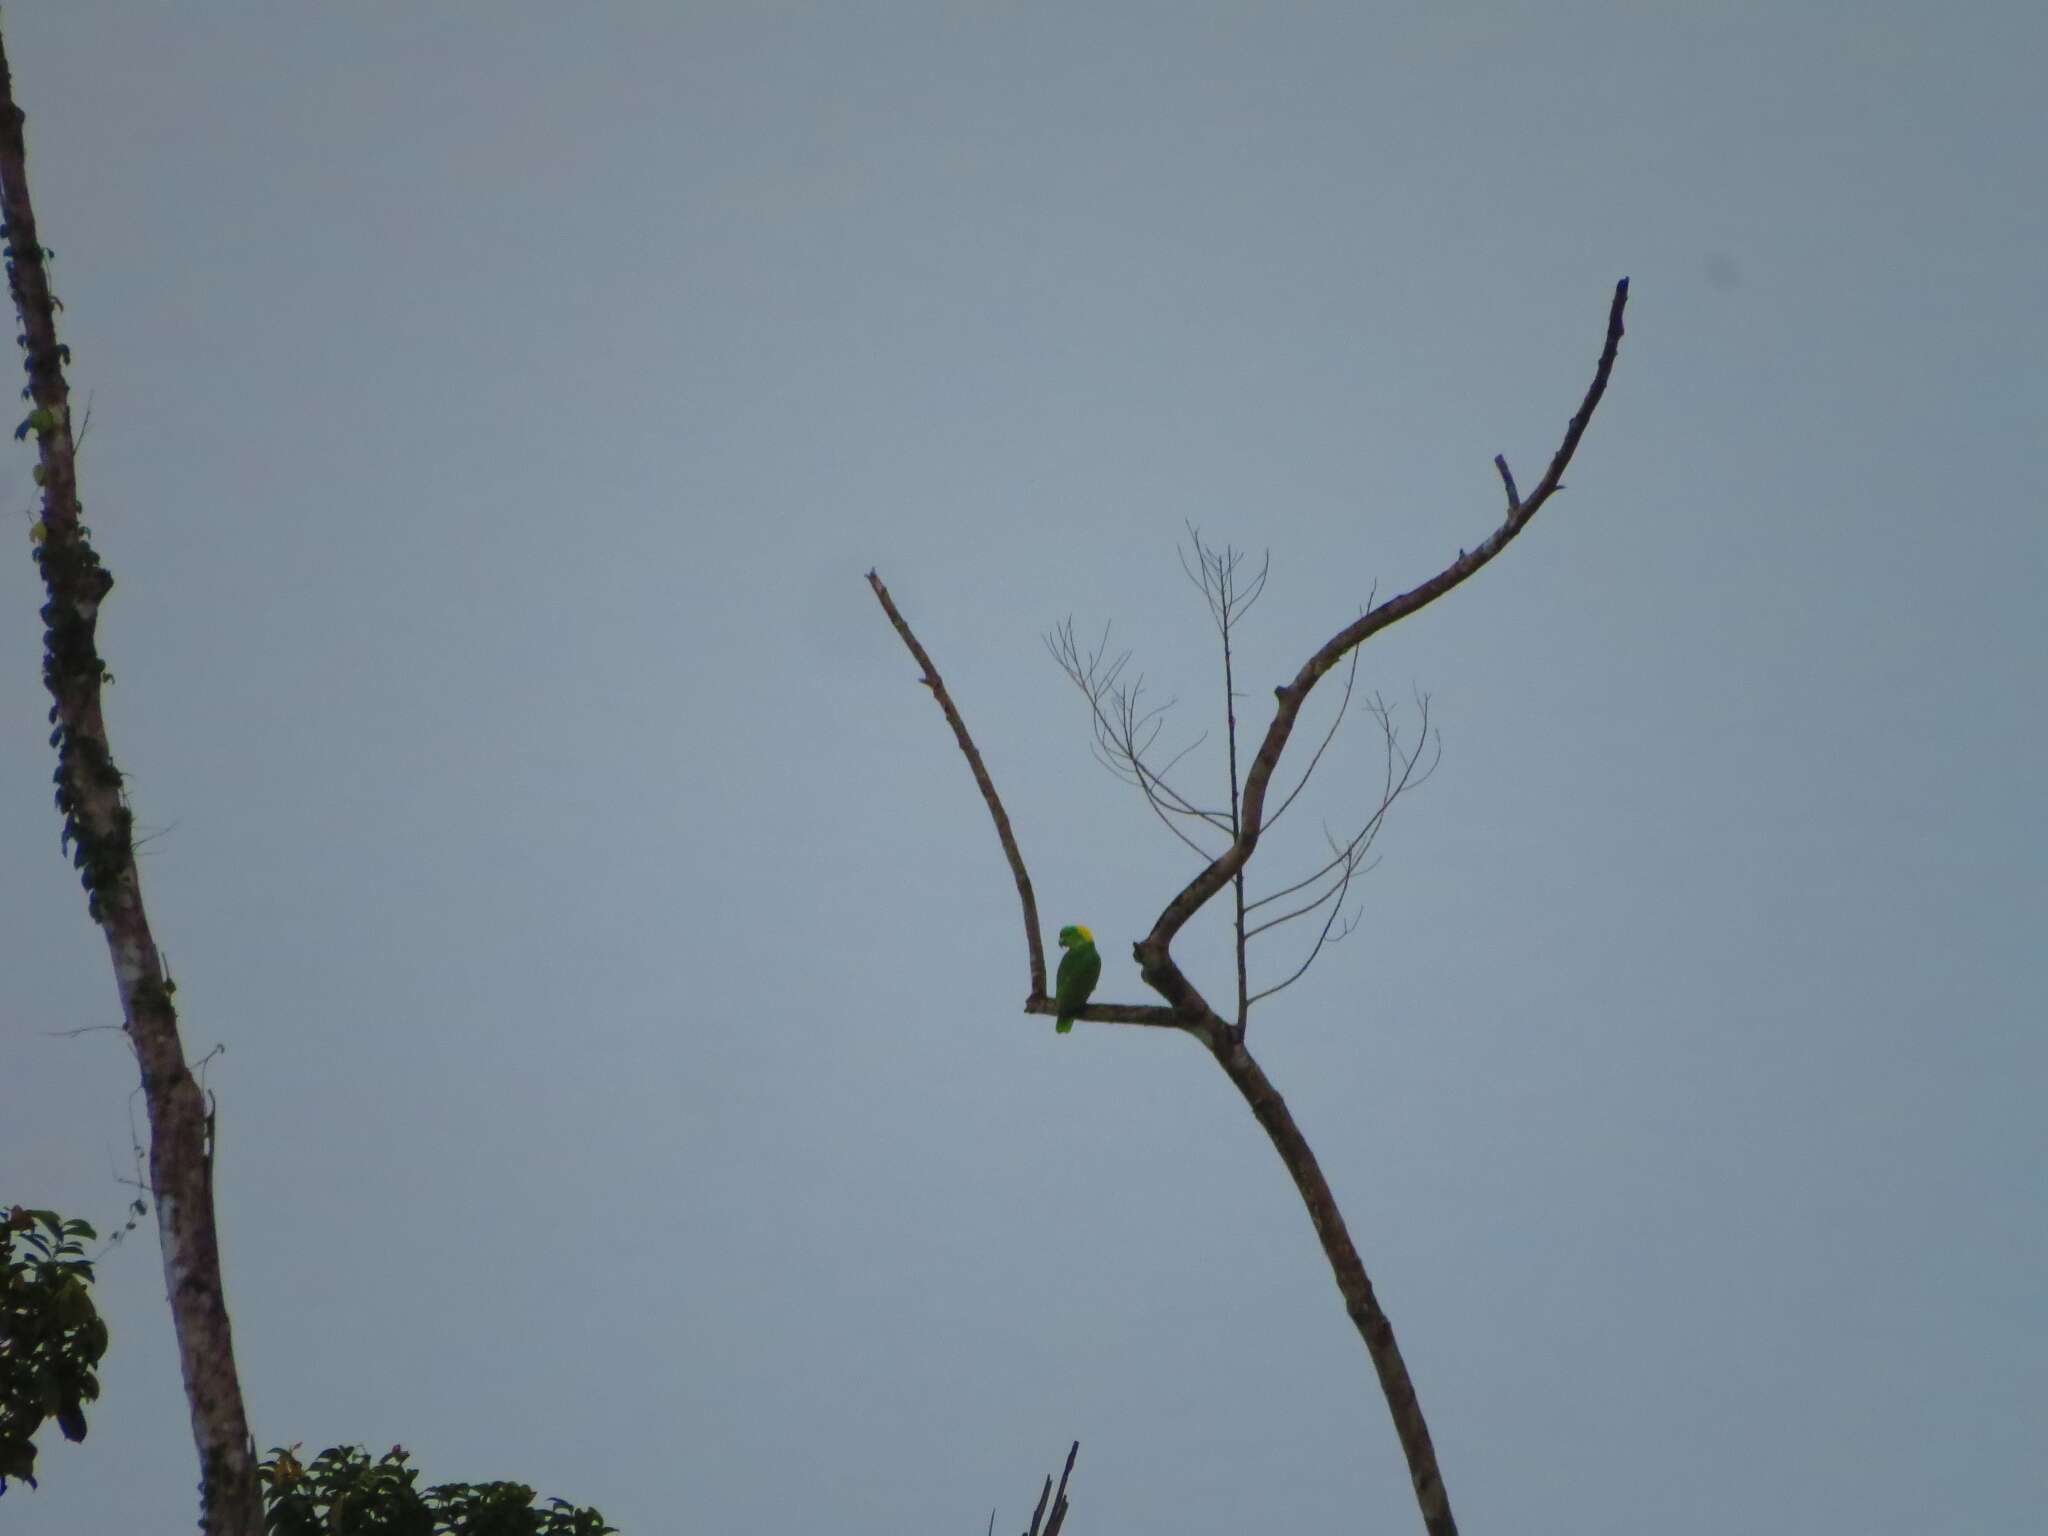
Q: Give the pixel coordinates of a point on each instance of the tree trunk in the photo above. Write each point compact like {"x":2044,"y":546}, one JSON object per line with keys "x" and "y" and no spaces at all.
{"x":98,"y":821}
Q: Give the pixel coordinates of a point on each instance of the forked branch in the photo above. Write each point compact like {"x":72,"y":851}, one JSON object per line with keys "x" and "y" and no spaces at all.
{"x":1036,"y":1001}
{"x":1187,"y":1009}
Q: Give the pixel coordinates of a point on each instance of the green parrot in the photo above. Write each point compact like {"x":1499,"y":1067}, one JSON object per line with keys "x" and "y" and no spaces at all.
{"x":1080,"y":969}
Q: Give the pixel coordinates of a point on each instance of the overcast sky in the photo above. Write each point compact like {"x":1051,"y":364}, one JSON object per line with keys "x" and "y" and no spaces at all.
{"x":623,"y":1089}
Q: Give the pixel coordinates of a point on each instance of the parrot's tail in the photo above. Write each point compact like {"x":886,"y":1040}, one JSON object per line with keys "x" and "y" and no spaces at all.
{"x":1065,"y":1026}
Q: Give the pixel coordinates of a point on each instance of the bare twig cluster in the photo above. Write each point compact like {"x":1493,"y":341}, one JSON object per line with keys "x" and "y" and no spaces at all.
{"x":1126,"y":730}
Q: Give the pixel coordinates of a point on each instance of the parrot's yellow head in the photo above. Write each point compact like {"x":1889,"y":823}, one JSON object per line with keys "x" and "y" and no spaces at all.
{"x":1075,"y":934}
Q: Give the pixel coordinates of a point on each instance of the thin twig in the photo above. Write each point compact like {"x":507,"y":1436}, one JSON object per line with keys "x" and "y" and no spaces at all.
{"x":1322,"y":938}
{"x":1115,"y":728}
{"x":1226,"y":573}
{"x":1391,"y":789}
{"x":1118,"y":725}
{"x":1343,"y":704}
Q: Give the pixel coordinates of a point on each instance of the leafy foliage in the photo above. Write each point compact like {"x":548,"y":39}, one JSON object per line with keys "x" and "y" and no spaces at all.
{"x":51,"y":1336}
{"x":342,"y":1492}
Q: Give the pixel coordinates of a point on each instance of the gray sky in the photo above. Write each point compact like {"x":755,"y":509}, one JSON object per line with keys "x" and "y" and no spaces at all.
{"x":495,"y":407}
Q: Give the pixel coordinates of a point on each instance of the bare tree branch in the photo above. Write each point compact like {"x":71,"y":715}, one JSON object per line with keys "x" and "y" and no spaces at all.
{"x":1118,"y":720}
{"x":1335,"y":896}
{"x":1034,"y":946}
{"x":1350,"y":859}
{"x":99,"y":821}
{"x":1391,"y":789}
{"x":1343,"y":705}
{"x":1291,"y":696}
{"x":1343,"y":864}
{"x":1150,"y":1015}
{"x":1123,"y":730}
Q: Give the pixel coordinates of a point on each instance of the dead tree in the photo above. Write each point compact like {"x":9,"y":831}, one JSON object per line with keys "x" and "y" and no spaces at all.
{"x":99,"y":825}
{"x":1125,"y":731}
